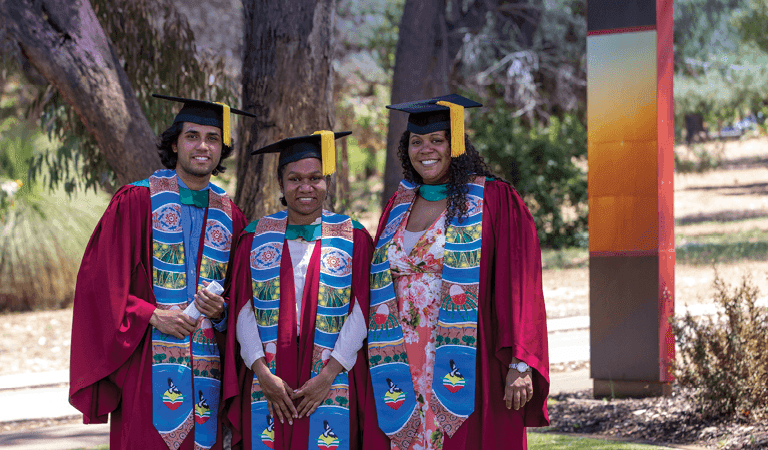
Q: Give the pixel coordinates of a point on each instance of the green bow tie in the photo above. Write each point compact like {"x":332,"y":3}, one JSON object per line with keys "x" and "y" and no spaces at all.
{"x":194,"y":198}
{"x":308,"y":232}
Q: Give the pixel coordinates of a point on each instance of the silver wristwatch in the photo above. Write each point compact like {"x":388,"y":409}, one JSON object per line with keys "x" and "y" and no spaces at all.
{"x":520,"y":367}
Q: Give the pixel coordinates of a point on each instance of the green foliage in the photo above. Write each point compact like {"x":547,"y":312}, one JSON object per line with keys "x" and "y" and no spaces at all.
{"x":157,"y":49}
{"x":751,"y":22}
{"x":17,"y":144}
{"x":726,"y":357}
{"x":543,"y":162}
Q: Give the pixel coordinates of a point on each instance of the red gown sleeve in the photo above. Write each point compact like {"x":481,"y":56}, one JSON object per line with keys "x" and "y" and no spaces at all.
{"x":236,"y":395}
{"x":514,"y":278}
{"x":361,"y":262}
{"x":113,"y":302}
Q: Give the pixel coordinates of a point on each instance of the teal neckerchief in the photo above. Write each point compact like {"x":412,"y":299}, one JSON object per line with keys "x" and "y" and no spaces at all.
{"x":194,"y":198}
{"x":309,"y":233}
{"x":433,"y":192}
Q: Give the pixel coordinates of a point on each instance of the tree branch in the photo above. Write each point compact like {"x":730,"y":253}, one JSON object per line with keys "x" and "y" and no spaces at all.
{"x":66,"y":44}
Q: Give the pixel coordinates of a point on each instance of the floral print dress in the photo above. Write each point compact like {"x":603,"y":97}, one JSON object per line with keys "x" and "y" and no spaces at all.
{"x":417,"y":277}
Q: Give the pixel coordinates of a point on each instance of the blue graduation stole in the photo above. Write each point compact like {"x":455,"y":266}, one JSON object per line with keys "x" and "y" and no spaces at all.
{"x":329,"y":424}
{"x":186,"y":373}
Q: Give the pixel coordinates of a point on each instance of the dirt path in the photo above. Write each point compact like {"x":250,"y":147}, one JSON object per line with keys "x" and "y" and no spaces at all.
{"x":35,"y":341}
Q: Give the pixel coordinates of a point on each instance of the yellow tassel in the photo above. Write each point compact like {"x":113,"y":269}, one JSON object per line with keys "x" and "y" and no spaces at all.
{"x":457,"y":128}
{"x":328,"y":151}
{"x":227,"y":138}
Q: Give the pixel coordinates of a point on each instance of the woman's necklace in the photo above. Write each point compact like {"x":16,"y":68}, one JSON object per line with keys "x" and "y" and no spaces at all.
{"x":433,"y":192}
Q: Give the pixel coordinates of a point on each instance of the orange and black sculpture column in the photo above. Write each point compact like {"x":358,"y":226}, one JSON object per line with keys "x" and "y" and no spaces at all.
{"x":631,"y":221}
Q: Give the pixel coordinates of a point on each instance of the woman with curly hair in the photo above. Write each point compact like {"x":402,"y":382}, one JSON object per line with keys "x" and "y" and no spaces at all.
{"x":457,"y":340}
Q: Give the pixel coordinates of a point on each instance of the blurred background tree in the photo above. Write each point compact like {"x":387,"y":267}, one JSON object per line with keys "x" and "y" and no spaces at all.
{"x":721,"y":75}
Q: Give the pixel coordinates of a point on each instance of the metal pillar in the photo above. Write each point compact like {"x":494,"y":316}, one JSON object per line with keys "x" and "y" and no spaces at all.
{"x":631,"y":221}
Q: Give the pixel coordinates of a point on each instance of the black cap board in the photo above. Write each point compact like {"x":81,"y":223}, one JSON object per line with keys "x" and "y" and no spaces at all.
{"x":426,"y":116}
{"x":311,"y":146}
{"x":438,"y":114}
{"x":203,"y":112}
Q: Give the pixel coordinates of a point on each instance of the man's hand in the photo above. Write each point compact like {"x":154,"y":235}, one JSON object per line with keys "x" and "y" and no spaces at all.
{"x":276,"y":391}
{"x":211,"y":305}
{"x":173,"y":322}
{"x":519,"y":388}
{"x":316,"y":388}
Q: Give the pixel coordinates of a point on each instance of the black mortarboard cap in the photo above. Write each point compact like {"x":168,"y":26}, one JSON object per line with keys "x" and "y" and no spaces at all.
{"x":437,"y":114}
{"x":318,"y":145}
{"x":202,"y":112}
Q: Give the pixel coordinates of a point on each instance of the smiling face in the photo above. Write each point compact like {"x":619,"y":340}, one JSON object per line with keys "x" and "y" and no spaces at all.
{"x":198,"y":151}
{"x":304,"y":189}
{"x":430,"y":155}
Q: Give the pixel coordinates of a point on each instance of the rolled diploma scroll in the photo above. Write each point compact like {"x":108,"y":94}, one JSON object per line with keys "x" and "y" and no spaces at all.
{"x":213,"y":288}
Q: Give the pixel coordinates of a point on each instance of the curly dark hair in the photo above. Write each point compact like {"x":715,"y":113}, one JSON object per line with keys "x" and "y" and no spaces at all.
{"x":461,"y":171}
{"x":170,"y":136}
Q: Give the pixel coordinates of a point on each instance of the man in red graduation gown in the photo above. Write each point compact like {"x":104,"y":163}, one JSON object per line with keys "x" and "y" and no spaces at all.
{"x":284,"y":385}
{"x":141,"y":353}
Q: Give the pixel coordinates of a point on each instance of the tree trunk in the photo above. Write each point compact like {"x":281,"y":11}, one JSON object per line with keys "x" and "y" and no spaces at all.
{"x":421,"y":71}
{"x":343,"y":178}
{"x":286,"y":81}
{"x":66,"y":44}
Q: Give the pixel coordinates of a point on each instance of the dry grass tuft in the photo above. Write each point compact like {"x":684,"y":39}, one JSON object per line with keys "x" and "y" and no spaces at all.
{"x":725,"y":357}
{"x":42,"y":241}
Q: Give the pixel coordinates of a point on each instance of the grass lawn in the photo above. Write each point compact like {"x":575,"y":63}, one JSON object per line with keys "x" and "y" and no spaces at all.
{"x":722,"y":247}
{"x":542,"y":441}
{"x":697,"y":250}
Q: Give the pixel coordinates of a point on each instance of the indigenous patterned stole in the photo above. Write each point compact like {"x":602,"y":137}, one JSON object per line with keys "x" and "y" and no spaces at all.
{"x":453,"y":384}
{"x":329,"y":424}
{"x":186,"y":373}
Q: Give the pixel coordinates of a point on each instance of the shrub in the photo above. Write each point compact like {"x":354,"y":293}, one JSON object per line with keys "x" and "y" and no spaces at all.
{"x":725,"y":357}
{"x":42,"y":234}
{"x":544,"y":162}
{"x":699,"y":158}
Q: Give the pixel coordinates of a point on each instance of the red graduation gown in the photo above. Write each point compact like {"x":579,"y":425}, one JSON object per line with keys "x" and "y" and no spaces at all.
{"x":293,"y":362}
{"x":111,"y":355}
{"x":511,"y":322}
